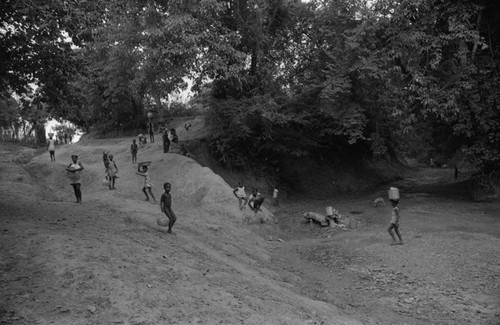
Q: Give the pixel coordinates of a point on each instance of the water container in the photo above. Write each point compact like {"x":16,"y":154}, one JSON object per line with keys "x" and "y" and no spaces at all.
{"x":162,"y":222}
{"x":329,"y":211}
{"x":393,"y":193}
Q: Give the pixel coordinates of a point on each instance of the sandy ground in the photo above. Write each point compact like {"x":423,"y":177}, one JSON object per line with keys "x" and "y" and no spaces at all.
{"x":107,"y":262}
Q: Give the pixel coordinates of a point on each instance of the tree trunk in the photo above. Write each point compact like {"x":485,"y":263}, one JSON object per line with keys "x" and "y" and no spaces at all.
{"x":41,"y":140}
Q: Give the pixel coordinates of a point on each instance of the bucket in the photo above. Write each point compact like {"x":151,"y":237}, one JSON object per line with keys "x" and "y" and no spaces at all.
{"x":393,"y":193}
{"x":162,"y":222}
{"x":329,"y":211}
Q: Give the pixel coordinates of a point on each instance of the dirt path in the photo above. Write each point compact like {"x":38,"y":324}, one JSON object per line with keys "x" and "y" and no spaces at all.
{"x":106,"y":262}
{"x":446,"y":273}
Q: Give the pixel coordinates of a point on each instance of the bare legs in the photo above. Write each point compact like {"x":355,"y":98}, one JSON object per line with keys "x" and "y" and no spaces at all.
{"x":146,"y":190}
{"x":78,"y":192}
{"x":396,"y":229}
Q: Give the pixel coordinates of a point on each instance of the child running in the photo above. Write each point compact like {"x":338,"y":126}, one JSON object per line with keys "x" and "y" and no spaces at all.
{"x":241,"y":195}
{"x":133,"y":150}
{"x":395,"y":223}
{"x":147,"y":187}
{"x":166,"y":206}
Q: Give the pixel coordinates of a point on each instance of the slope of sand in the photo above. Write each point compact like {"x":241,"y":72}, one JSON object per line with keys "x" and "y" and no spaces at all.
{"x":107,"y":262}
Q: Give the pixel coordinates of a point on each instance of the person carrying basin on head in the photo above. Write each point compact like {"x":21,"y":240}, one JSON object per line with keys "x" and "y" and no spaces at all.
{"x":74,"y":170}
{"x":51,"y":147}
{"x":142,"y":170}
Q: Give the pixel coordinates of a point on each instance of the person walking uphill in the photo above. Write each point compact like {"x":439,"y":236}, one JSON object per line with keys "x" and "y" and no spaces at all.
{"x":74,"y":170}
{"x":166,"y":206}
{"x":51,"y":147}
{"x":148,"y":186}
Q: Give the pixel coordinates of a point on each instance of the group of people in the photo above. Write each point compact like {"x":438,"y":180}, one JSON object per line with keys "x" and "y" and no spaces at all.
{"x":254,"y":201}
{"x":74,"y":170}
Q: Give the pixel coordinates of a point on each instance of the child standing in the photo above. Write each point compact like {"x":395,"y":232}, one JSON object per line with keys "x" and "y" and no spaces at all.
{"x":112,"y":171}
{"x":255,"y":200}
{"x":133,"y":150}
{"x":147,"y":187}
{"x":105,"y":161}
{"x":241,"y":195}
{"x":74,"y":170}
{"x":275,"y":197}
{"x":166,"y":206}
{"x":395,"y":223}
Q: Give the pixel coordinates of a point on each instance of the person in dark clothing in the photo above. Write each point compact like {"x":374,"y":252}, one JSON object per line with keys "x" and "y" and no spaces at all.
{"x":166,"y":141}
{"x":166,"y":206}
{"x":151,"y":131}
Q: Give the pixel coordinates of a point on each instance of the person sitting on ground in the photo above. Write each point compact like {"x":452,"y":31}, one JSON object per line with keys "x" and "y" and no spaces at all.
{"x":148,"y":186}
{"x":173,"y":136}
{"x":241,"y":195}
{"x":395,"y":223}
{"x":142,"y":139}
{"x":183,"y":151}
{"x":166,"y":206}
{"x":255,"y":200}
{"x":112,"y":171}
{"x":174,"y":141}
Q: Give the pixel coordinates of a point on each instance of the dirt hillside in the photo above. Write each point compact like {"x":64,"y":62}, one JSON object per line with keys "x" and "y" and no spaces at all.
{"x":105,"y":261}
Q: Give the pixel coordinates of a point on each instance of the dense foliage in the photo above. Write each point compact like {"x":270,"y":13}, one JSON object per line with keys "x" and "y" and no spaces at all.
{"x":341,"y":80}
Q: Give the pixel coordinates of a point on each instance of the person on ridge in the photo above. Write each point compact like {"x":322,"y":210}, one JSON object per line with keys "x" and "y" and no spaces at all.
{"x":241,"y":195}
{"x":51,"y":147}
{"x":255,"y":200}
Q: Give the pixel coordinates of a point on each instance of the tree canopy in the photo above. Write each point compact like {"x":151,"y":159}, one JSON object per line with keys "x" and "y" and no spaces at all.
{"x":287,"y":78}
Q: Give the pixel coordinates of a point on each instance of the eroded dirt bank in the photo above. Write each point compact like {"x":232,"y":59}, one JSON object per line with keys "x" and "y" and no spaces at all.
{"x":106,"y":261}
